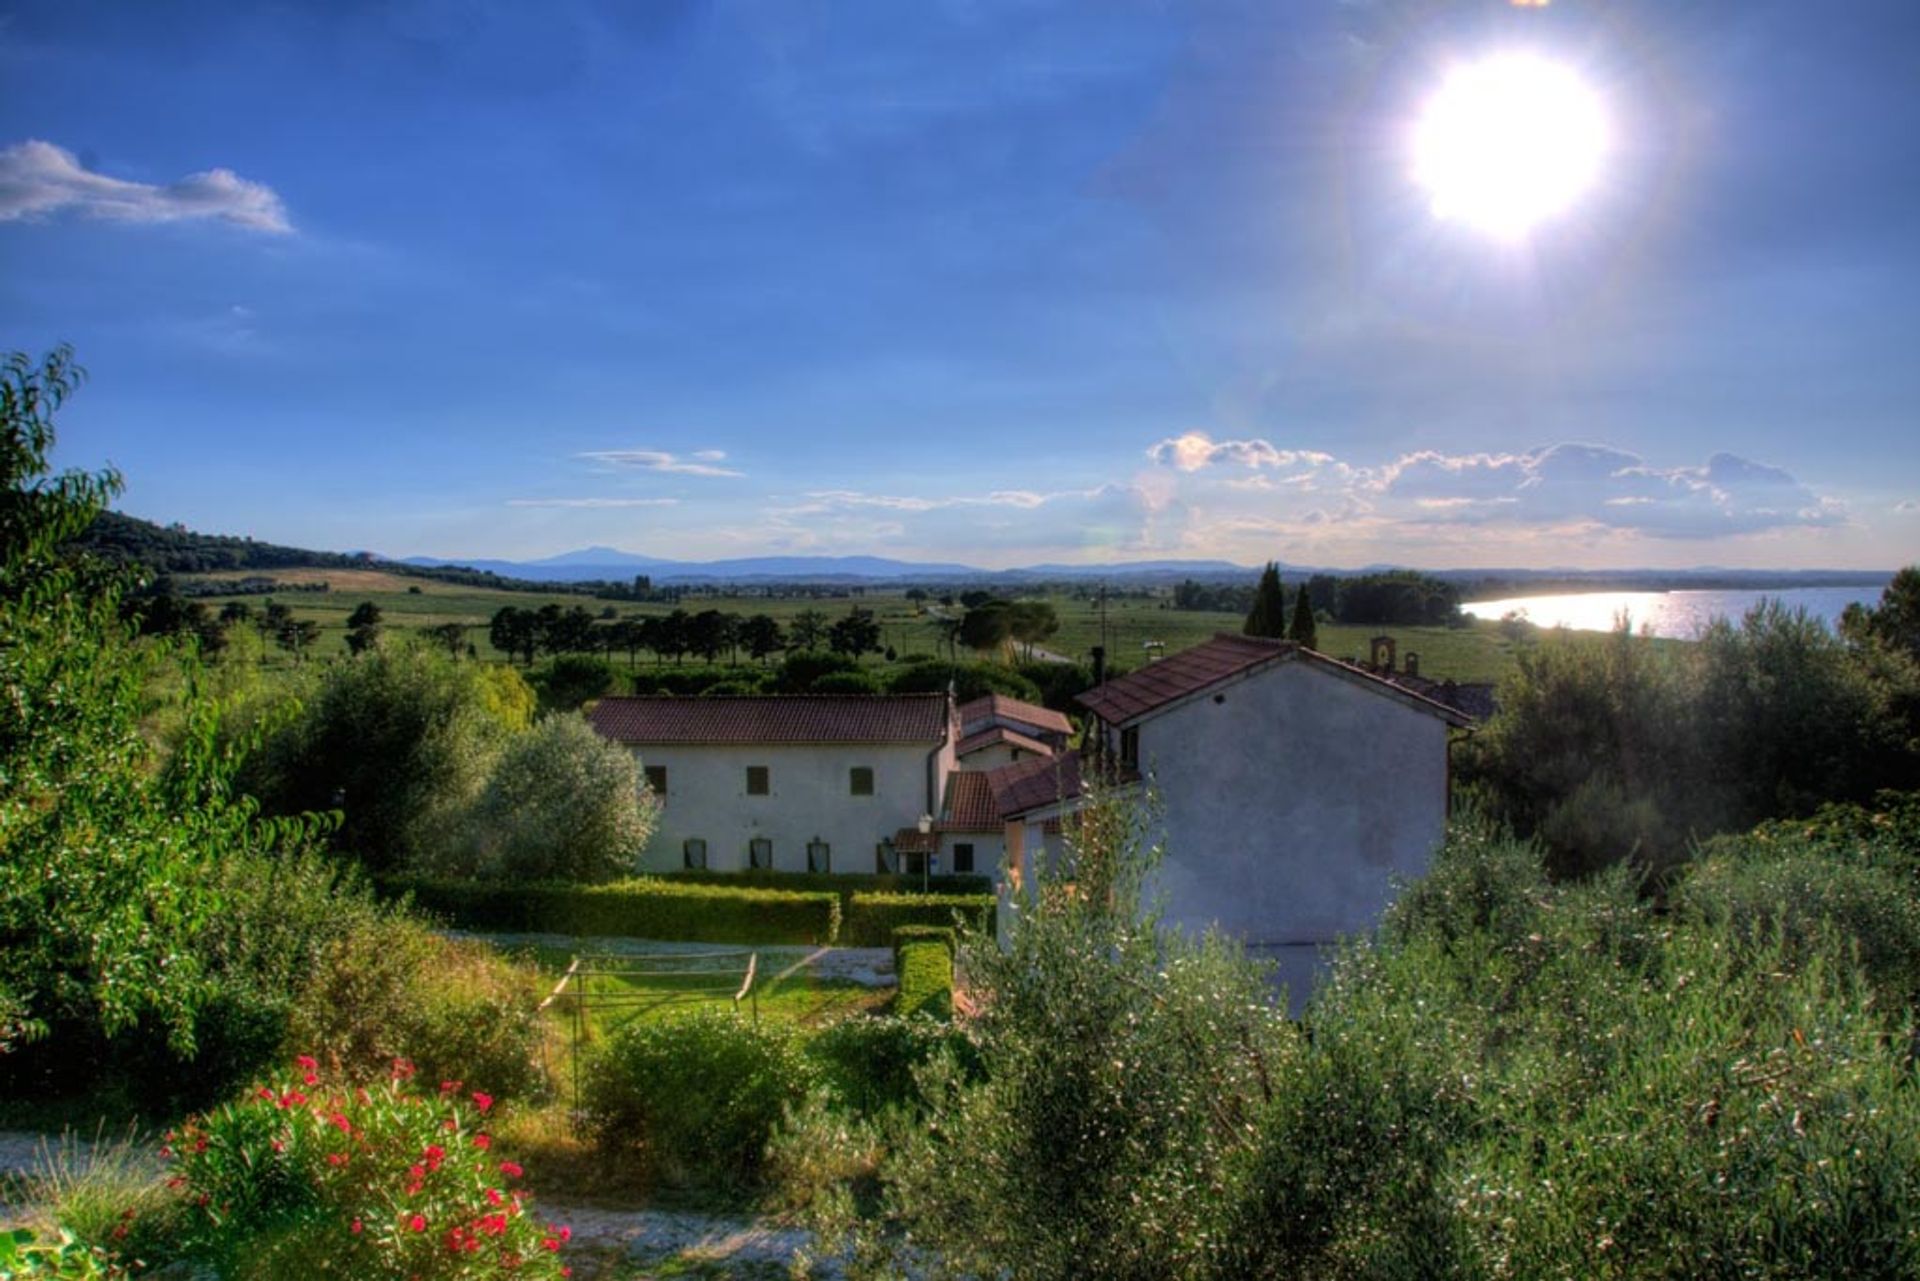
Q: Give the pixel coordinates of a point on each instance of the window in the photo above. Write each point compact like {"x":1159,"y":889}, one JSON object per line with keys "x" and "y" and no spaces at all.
{"x":695,"y":852}
{"x":1130,"y":748}
{"x":657,"y":779}
{"x":757,"y":780}
{"x":819,"y":857}
{"x":860,"y":781}
{"x":886,"y":859}
{"x":760,"y":852}
{"x":963,"y":858}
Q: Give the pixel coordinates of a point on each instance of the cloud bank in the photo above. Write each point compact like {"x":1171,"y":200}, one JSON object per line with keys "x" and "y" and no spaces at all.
{"x":39,"y":180}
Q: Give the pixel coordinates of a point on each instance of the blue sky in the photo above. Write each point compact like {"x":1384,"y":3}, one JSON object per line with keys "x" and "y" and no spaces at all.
{"x":999,"y":283}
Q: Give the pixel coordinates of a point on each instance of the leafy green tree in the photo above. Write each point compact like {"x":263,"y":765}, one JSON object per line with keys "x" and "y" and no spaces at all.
{"x":297,"y":635}
{"x":515,"y":632}
{"x":986,"y":628}
{"x":451,"y":637}
{"x":710,"y":631}
{"x":363,"y":627}
{"x":1031,"y":622}
{"x":563,"y":804}
{"x":807,"y":630}
{"x":400,"y":742}
{"x":1268,"y":616}
{"x":1895,"y":621}
{"x":761,"y":635}
{"x":1303,"y":628}
{"x":670,"y":636}
{"x":856,"y":634}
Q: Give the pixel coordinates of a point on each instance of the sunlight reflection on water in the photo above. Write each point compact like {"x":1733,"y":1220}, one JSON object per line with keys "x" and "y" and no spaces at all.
{"x":1683,"y":614}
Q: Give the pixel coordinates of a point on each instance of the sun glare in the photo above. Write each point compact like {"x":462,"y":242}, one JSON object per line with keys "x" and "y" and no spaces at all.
{"x":1509,"y":142}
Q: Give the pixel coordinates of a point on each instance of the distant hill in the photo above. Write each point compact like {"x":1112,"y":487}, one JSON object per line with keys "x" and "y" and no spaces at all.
{"x":174,"y":549}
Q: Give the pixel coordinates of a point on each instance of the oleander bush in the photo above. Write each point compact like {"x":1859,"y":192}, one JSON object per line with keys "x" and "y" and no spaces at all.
{"x":306,"y":1176}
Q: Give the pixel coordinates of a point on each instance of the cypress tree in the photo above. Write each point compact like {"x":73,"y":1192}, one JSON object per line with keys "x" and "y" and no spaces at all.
{"x":1268,"y":617}
{"x":1302,"y":628}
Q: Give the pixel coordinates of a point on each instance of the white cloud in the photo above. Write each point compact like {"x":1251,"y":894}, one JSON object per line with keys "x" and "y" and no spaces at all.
{"x":701,"y":462}
{"x":1194,"y":450}
{"x":592,"y":503}
{"x":38,"y":179}
{"x":1575,"y":484}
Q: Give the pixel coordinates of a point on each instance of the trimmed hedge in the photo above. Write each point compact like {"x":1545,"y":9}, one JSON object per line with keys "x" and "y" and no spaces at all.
{"x":923,"y":966}
{"x":648,"y":907}
{"x":871,"y":919}
{"x":845,"y":884}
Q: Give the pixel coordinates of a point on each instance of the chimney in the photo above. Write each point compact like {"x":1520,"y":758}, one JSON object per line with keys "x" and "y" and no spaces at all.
{"x":1099,"y":665}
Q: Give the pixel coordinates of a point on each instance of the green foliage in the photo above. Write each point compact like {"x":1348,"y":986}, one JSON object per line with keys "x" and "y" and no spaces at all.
{"x":649,"y":907}
{"x":871,"y":1065}
{"x":845,"y":884}
{"x":1267,"y":616}
{"x":801,"y":668}
{"x":389,"y":988}
{"x":401,"y":740}
{"x":65,"y":1257}
{"x":1626,"y":748}
{"x":695,"y":1098}
{"x":309,"y":1178}
{"x":1303,"y":629}
{"x":923,"y":966}
{"x":563,"y":804}
{"x":572,"y":679}
{"x":1895,"y":621}
{"x":969,"y":681}
{"x":846,"y":683}
{"x":873,"y":919}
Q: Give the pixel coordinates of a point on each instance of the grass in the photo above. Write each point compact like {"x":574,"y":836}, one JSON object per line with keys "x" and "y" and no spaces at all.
{"x":1477,"y":652}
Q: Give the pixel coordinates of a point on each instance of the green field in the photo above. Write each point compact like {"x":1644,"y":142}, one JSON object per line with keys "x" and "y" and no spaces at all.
{"x":1476,"y":652}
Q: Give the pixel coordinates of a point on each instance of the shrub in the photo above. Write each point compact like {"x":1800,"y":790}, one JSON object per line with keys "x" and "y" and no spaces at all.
{"x":923,"y":966}
{"x":846,"y":683}
{"x":648,"y":907}
{"x":695,"y":1097}
{"x":868,"y":1064}
{"x":391,"y":988}
{"x":800,"y":669}
{"x":872,"y":918}
{"x":572,"y":679}
{"x":969,"y":681}
{"x":304,"y":1178}
{"x":565,"y":804}
{"x":401,"y":739}
{"x":845,"y":884}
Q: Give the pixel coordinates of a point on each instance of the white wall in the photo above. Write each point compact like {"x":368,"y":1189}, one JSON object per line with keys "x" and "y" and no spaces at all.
{"x":809,"y":795}
{"x":994,"y":756}
{"x":1292,"y":803}
{"x":989,"y":848}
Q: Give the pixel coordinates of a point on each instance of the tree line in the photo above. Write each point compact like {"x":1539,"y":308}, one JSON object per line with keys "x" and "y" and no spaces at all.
{"x":1390,"y":598}
{"x":525,"y":634}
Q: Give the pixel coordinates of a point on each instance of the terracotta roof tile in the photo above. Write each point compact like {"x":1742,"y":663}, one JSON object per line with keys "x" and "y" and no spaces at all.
{"x":1001,"y":734}
{"x":1178,"y":675}
{"x":1031,"y":785}
{"x":1173,"y":678}
{"x":970,"y":806}
{"x":791,"y":718}
{"x":911,"y":840}
{"x":982,"y":712}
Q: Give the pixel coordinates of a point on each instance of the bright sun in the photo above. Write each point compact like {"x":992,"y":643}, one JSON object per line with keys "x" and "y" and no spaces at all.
{"x":1509,"y":142}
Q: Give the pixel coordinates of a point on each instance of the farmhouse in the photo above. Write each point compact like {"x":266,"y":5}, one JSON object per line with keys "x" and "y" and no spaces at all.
{"x":997,"y":731}
{"x":797,"y":783}
{"x":1294,"y":789}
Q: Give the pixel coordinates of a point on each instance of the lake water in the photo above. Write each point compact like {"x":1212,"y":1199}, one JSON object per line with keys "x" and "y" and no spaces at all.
{"x":1683,"y":614}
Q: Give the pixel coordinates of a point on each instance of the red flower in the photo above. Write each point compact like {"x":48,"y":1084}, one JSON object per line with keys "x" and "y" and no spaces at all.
{"x":482,"y":1101}
{"x":418,"y":1223}
{"x":494,"y":1197}
{"x":511,"y":1169}
{"x":482,"y":1142}
{"x":355,"y":1229}
{"x":336,"y":1159}
{"x":435,"y":1154}
{"x":340,"y":1123}
{"x":402,"y":1069}
{"x":308,"y":1062}
{"x":450,"y":1087}
{"x":265,"y":1093}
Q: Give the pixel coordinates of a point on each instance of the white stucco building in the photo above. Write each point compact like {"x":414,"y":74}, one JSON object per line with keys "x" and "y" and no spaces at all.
{"x":1292,"y":790}
{"x":791,"y":783}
